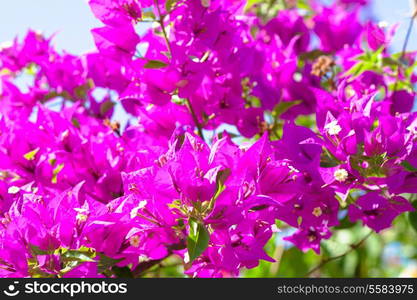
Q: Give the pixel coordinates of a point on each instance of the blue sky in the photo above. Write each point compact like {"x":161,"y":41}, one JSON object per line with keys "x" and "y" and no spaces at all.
{"x":72,"y":20}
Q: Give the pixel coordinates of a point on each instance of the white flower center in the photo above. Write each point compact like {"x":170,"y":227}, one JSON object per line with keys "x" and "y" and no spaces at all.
{"x":383,"y":24}
{"x":82,"y":214}
{"x":317,"y":211}
{"x":341,"y":175}
{"x":297,"y":77}
{"x":333,"y":128}
{"x":13,"y":190}
{"x":134,"y":241}
{"x":81,"y":217}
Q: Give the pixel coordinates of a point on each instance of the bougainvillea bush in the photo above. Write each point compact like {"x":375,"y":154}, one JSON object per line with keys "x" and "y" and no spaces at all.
{"x":244,"y":123}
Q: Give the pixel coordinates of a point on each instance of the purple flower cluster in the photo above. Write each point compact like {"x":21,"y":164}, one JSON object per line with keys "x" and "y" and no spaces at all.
{"x":240,"y":115}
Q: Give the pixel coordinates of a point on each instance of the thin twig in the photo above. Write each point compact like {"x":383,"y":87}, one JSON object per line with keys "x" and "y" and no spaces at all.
{"x":327,"y":260}
{"x":195,"y":119}
{"x":161,"y":23}
{"x":407,"y":37}
{"x":404,"y":49}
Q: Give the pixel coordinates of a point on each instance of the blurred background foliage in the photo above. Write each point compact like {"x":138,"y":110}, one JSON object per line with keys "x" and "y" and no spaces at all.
{"x":352,"y":251}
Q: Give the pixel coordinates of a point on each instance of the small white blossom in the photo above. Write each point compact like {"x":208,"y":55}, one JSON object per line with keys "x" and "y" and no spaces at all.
{"x":134,"y":241}
{"x":6,"y":45}
{"x":333,"y":128}
{"x":13,"y":190}
{"x":274,"y":228}
{"x":297,"y":77}
{"x":317,"y":211}
{"x":383,"y":24}
{"x":341,"y":175}
{"x":82,"y":214}
{"x":81,"y":217}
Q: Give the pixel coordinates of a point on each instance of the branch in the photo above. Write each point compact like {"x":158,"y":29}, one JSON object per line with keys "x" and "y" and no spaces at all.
{"x":407,"y":37}
{"x":161,"y":23}
{"x":327,"y":260}
{"x":404,"y":49}
{"x":195,"y":119}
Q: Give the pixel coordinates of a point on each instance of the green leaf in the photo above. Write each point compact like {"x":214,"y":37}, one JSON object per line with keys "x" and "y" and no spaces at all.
{"x":55,"y":172}
{"x":251,"y":3}
{"x":408,"y":167}
{"x":146,"y":15}
{"x":69,"y":266}
{"x":312,"y":55}
{"x":412,"y":217}
{"x":31,"y":70}
{"x":197,"y":240}
{"x":31,"y":155}
{"x":37,"y":251}
{"x":295,"y":263}
{"x":106,"y":106}
{"x":221,"y":178}
{"x":169,"y":4}
{"x":254,"y":101}
{"x":345,"y":223}
{"x":359,"y":68}
{"x":106,"y":262}
{"x":283,"y":106}
{"x":122,"y":272}
{"x":389,"y":61}
{"x":71,"y":258}
{"x":80,"y":92}
{"x":368,"y":61}
{"x":175,"y":204}
{"x":52,"y":161}
{"x":302,"y":4}
{"x":75,"y":122}
{"x":51,"y":95}
{"x":77,"y":255}
{"x":306,"y":120}
{"x":155,"y":64}
{"x":401,"y":85}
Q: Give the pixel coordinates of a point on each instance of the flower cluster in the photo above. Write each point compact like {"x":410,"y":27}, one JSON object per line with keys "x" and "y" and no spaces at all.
{"x":243,"y":116}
